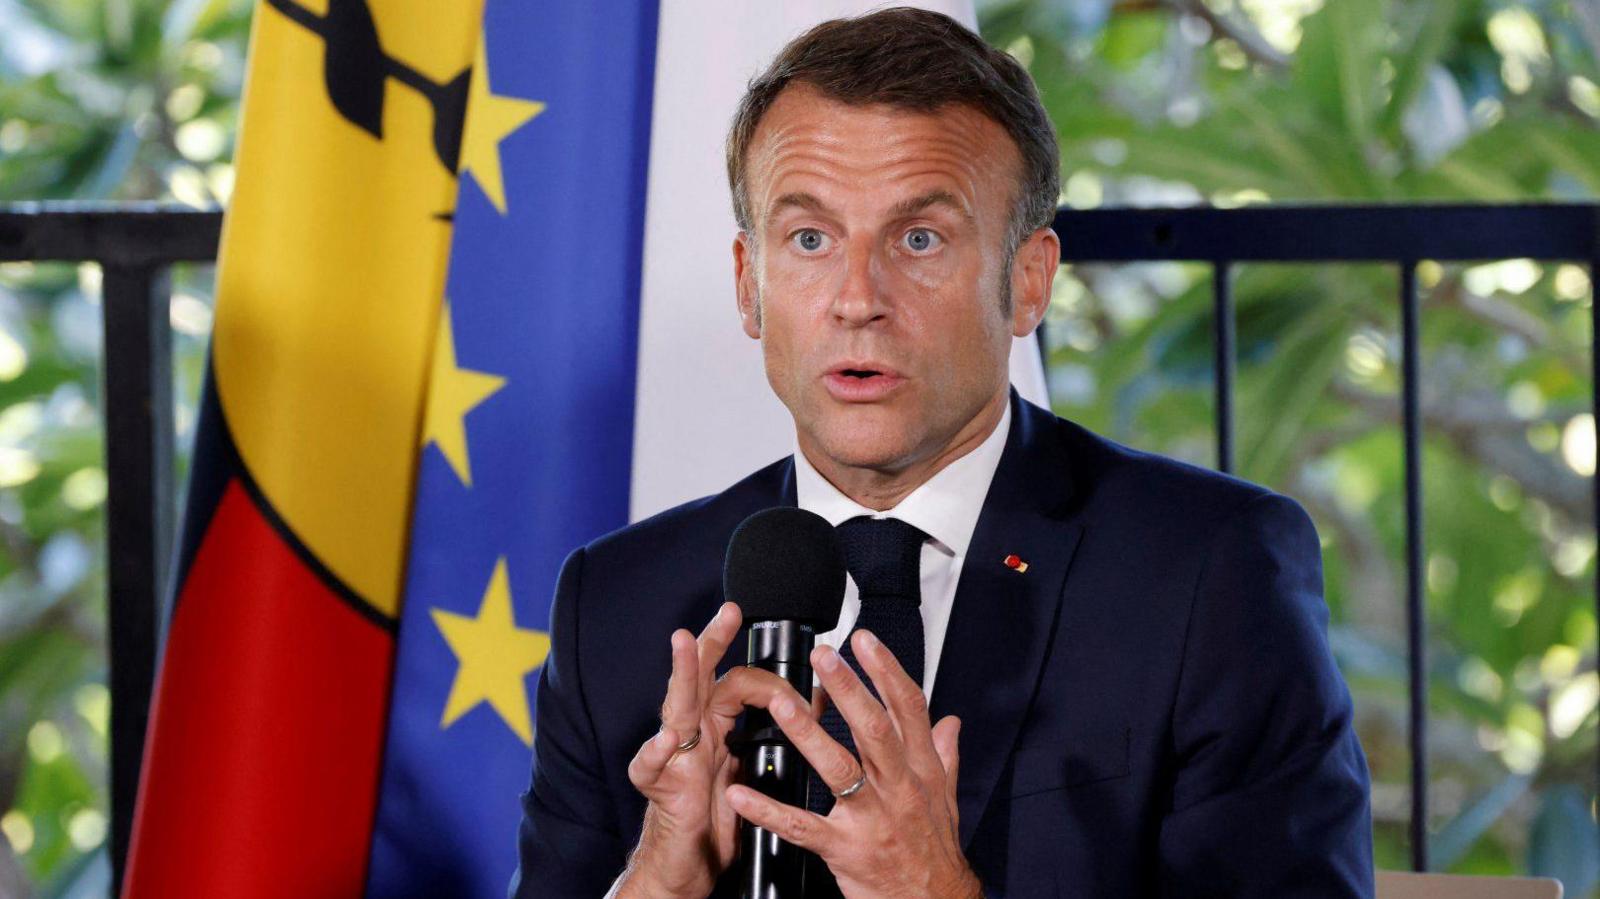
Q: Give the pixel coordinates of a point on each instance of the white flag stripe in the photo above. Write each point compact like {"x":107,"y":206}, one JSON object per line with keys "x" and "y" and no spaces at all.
{"x":703,"y":413}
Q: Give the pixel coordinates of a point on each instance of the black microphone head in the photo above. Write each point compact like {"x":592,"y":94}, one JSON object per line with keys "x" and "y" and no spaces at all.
{"x":785,"y":564}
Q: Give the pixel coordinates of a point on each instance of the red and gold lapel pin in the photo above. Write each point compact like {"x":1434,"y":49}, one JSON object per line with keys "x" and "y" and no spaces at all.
{"x":1015,"y":563}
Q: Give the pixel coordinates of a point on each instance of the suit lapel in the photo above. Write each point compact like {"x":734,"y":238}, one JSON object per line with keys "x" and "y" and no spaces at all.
{"x":1003,"y":620}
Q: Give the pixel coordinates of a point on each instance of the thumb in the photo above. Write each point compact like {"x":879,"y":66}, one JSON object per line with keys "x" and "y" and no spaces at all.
{"x":946,"y":742}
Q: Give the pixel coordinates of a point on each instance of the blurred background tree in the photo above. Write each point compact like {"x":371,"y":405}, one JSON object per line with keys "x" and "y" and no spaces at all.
{"x":99,"y":100}
{"x":1231,"y":102}
{"x":1159,"y":102}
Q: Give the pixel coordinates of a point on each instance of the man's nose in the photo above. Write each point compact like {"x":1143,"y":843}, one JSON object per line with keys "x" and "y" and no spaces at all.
{"x":859,"y":298}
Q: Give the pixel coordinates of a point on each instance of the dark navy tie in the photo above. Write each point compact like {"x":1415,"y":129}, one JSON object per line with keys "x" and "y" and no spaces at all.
{"x":884,"y":557}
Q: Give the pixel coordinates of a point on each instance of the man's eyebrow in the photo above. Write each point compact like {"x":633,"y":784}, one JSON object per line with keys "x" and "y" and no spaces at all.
{"x":804,"y":201}
{"x":903,"y":209}
{"x":908,"y":208}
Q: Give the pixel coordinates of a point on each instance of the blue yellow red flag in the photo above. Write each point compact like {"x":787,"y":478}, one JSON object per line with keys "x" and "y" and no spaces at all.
{"x":261,"y":765}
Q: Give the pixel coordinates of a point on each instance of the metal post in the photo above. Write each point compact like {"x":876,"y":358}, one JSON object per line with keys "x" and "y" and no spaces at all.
{"x":1223,"y":322}
{"x":137,"y":382}
{"x":1416,"y":641}
{"x":1594,"y":410}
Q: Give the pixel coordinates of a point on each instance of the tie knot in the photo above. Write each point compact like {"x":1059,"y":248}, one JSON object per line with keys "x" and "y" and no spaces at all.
{"x":884,"y":556}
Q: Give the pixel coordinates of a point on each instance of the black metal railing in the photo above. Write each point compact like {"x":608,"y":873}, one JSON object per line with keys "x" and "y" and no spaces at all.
{"x":136,"y":243}
{"x":1401,"y":235}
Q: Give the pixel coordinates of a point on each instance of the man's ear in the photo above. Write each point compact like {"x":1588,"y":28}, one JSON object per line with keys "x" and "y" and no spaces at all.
{"x":1033,"y":272}
{"x":744,"y":279}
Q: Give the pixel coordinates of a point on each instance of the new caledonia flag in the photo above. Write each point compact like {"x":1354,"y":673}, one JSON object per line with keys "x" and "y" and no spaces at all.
{"x":445,"y":354}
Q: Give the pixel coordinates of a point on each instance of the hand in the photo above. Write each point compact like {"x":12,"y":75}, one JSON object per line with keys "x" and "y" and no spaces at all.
{"x":690,"y":832}
{"x":897,"y":836}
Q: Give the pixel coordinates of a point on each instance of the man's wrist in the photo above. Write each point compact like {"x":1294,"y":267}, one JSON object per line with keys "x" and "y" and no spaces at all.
{"x":968,"y":887}
{"x":642,"y":879}
{"x":637,"y":884}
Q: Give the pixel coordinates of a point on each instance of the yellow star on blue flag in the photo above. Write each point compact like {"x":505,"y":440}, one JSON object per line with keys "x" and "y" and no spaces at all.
{"x":490,"y":119}
{"x":494,"y":657}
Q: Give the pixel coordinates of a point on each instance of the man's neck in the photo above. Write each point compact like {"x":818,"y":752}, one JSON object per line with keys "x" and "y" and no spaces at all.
{"x":880,"y":489}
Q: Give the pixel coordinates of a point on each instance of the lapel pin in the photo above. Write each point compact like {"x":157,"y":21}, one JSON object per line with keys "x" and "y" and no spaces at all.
{"x":1015,"y":563}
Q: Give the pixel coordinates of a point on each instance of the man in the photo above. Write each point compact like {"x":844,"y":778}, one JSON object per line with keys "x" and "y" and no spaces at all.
{"x":1125,"y":655}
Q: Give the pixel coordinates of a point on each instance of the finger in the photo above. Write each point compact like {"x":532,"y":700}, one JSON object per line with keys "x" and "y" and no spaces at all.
{"x":745,"y":686}
{"x":947,"y":740}
{"x":901,"y":695}
{"x":832,"y":762}
{"x":713,"y":643}
{"x":652,"y":759}
{"x":904,"y":699}
{"x":727,"y":820}
{"x":805,"y":829}
{"x":681,"y":709}
{"x":876,"y":739}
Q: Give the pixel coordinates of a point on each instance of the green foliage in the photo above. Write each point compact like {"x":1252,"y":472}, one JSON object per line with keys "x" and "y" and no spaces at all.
{"x":125,"y":99}
{"x":1370,"y":101}
{"x":121,"y":99}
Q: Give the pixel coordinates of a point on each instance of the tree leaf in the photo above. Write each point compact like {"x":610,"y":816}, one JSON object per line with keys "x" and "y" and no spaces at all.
{"x":1418,"y":53}
{"x":1336,"y":64}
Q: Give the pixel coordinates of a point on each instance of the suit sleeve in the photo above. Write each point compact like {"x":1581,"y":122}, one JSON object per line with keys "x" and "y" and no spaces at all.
{"x":1271,"y":791}
{"x":569,"y":843}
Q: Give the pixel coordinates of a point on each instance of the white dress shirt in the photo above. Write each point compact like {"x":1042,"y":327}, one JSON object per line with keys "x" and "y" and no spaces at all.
{"x":945,"y":508}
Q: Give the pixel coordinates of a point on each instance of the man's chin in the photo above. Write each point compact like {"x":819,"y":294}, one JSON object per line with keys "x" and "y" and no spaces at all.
{"x":880,"y":448}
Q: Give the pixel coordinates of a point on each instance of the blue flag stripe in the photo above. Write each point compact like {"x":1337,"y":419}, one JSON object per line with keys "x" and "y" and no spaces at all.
{"x":544,"y":296}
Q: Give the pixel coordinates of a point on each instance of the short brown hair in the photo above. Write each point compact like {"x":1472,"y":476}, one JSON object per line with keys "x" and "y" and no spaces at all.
{"x":917,"y":60}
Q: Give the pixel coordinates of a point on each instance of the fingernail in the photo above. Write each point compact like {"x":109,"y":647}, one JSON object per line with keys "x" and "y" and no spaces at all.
{"x":783,"y":708}
{"x":868,"y":640}
{"x":664,"y":739}
{"x":829,"y":660}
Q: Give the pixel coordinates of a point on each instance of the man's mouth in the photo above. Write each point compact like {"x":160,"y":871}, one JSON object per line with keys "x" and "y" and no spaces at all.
{"x":862,"y":369}
{"x":862,"y":382}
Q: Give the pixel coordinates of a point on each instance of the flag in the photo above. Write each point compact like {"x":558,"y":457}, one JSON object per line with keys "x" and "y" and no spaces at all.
{"x":589,"y":370}
{"x":528,"y":431}
{"x":261,"y":766}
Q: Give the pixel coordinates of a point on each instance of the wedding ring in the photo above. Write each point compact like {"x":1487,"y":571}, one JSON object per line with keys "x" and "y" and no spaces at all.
{"x":853,"y":789}
{"x":690,"y":743}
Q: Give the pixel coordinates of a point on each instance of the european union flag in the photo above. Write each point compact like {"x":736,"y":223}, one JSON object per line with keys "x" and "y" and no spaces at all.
{"x":528,"y":430}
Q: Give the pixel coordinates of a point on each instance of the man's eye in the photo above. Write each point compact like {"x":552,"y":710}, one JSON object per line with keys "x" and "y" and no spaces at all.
{"x":921,"y":240}
{"x":808,"y":240}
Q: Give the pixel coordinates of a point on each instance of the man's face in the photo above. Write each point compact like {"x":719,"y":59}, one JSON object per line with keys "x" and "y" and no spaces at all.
{"x":874,"y":273}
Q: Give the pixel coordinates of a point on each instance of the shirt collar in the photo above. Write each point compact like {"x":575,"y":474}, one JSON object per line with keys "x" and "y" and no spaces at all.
{"x":945,"y":507}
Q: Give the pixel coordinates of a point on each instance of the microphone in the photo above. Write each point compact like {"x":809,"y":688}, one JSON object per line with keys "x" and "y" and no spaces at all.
{"x":785,"y":569}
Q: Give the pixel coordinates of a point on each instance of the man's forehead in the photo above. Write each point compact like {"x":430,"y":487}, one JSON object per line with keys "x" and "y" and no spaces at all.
{"x":807,"y":133}
{"x":803,"y":109}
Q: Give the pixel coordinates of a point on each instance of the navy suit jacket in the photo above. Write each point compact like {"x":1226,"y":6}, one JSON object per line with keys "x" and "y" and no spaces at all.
{"x":1151,"y":709}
